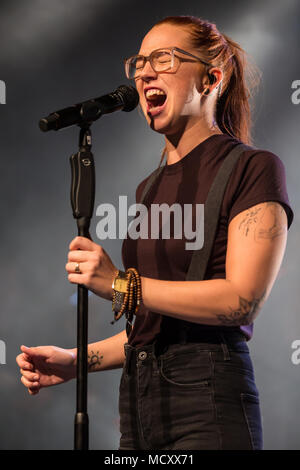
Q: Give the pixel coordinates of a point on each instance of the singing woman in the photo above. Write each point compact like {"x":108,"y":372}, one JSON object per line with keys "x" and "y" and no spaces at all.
{"x":187,"y":379}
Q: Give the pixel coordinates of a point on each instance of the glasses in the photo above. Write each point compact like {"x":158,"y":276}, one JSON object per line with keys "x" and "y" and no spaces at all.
{"x":161,"y":60}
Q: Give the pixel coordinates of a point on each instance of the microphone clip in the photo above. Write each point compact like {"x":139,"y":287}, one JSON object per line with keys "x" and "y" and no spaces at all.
{"x":83,"y":181}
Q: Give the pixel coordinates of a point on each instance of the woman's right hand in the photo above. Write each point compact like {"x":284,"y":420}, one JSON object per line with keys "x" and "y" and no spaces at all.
{"x":43,"y":366}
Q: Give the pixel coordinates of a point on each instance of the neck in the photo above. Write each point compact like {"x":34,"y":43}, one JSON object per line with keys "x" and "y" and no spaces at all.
{"x":178,"y":146}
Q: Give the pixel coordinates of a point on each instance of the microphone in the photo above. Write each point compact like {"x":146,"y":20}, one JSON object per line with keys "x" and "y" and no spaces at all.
{"x":124,"y":98}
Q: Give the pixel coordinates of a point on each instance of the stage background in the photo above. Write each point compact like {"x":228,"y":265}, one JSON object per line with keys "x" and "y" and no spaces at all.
{"x":54,"y":54}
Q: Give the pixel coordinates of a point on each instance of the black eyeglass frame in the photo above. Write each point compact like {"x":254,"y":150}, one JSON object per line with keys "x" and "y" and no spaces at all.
{"x":149,"y":57}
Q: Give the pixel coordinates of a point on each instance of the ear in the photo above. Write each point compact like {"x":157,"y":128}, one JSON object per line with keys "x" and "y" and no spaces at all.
{"x":209,"y":79}
{"x":214,"y":77}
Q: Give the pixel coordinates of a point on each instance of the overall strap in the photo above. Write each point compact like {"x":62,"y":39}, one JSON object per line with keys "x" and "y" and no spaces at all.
{"x":212,"y":207}
{"x":200,"y":258}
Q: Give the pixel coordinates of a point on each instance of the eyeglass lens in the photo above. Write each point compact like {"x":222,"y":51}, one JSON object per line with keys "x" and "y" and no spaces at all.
{"x":160,"y":60}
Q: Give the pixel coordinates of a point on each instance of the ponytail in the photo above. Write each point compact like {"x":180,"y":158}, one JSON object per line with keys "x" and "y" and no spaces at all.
{"x":233,"y":110}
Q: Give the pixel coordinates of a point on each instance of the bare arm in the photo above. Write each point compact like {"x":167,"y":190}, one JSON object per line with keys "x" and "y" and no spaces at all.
{"x":45,"y":366}
{"x":255,"y":248}
{"x":107,"y":354}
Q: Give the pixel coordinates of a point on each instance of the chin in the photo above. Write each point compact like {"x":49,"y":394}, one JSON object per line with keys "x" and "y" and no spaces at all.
{"x":160,"y":124}
{"x":167,"y":128}
{"x":159,"y":129}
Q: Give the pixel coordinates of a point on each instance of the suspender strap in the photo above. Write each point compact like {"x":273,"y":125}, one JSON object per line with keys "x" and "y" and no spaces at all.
{"x":212,"y":209}
{"x":200,"y":258}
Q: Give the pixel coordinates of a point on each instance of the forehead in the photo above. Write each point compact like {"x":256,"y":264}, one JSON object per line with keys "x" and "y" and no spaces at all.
{"x":165,"y":35}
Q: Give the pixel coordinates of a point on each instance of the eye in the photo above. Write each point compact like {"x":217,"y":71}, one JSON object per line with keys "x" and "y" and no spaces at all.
{"x":137,"y":62}
{"x":162,"y":57}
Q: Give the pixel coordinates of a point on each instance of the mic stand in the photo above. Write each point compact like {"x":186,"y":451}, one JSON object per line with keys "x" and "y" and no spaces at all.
{"x":82,"y":202}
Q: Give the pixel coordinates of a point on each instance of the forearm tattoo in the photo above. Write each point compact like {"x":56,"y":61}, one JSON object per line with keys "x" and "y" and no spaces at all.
{"x":256,"y":218}
{"x":245,"y":314}
{"x":94,"y":360}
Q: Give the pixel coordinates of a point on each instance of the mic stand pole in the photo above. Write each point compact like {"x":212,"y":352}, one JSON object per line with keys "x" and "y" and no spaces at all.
{"x":82,"y":201}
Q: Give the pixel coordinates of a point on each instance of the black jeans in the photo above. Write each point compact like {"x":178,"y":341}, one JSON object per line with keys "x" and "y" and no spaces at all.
{"x":193,"y":396}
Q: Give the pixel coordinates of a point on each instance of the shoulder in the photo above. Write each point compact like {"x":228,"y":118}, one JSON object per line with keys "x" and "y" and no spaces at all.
{"x":262,"y":169}
{"x":258,"y":176}
{"x":250,"y":155}
{"x":256,"y":159}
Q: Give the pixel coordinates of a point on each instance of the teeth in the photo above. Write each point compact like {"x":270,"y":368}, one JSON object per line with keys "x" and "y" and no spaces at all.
{"x":154,"y":92}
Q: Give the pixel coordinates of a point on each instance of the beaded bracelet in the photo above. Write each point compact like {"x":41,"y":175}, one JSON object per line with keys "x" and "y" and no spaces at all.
{"x":132,"y":299}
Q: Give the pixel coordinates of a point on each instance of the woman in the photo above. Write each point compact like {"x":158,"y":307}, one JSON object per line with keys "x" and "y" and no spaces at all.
{"x":187,"y":379}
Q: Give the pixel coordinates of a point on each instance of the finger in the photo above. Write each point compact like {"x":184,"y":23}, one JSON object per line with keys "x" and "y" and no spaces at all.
{"x":30,"y":376}
{"x":25,"y":365}
{"x":79,"y":256}
{"x":33,"y":391}
{"x":77,"y":278}
{"x":70,"y":267}
{"x":30,"y":352}
{"x":23,"y":361}
{"x":28,"y":383}
{"x":82,"y":243}
{"x":24,"y":349}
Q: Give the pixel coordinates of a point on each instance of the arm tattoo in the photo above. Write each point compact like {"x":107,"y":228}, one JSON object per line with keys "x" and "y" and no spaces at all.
{"x":254,"y":218}
{"x":94,"y":360}
{"x":276,"y":229}
{"x":251,"y":218}
{"x":245,"y":314}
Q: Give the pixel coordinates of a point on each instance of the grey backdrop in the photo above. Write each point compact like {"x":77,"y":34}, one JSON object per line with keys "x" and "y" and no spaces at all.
{"x":56,"y":53}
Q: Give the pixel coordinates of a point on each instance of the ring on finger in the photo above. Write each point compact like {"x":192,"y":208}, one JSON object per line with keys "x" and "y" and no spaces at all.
{"x":77,"y":268}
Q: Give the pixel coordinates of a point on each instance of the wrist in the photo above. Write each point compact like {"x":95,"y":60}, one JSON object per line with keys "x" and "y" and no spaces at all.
{"x":111,"y":292}
{"x":119,"y":289}
{"x":73,"y":353}
{"x":126,"y":296}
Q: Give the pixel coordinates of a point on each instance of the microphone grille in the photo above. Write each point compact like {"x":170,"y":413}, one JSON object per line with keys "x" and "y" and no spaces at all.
{"x":130,"y":97}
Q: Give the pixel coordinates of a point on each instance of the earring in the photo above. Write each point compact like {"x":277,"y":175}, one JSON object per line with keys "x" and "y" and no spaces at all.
{"x":206,"y":92}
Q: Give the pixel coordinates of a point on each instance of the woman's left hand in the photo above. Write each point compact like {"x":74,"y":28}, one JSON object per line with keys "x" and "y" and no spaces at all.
{"x":97,"y":271}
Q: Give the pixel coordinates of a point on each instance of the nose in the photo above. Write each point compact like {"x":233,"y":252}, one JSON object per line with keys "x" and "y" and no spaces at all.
{"x":148,"y":73}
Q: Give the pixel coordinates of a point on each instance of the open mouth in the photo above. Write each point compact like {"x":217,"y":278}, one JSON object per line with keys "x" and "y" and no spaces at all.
{"x":156,"y":99}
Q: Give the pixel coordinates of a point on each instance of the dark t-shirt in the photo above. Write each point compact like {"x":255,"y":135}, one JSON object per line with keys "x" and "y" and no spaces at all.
{"x":258,"y":176}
